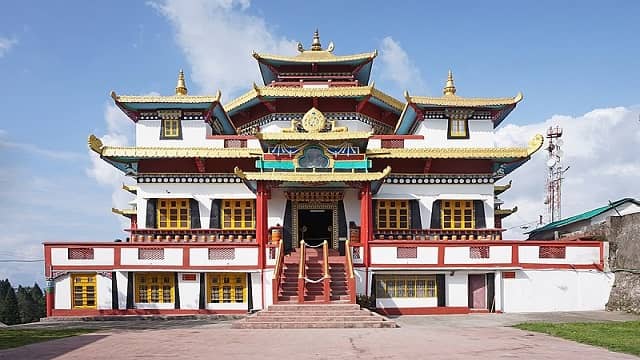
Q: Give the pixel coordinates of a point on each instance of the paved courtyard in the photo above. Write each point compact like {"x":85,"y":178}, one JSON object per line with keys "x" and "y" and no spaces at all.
{"x":486,"y":336}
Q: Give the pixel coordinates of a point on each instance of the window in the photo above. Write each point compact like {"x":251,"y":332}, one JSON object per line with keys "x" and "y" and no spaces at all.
{"x":552,"y":252}
{"x":173,"y":214}
{"x":80,"y":254}
{"x":227,"y":287}
{"x":406,"y":286}
{"x":150,"y":254}
{"x":238,"y":214}
{"x":84,"y":291}
{"x":457,"y":214}
{"x":406,"y":252}
{"x":222,"y":253}
{"x":393,"y":214}
{"x":458,"y":128}
{"x":479,"y":252}
{"x":154,"y":287}
{"x":171,"y":128}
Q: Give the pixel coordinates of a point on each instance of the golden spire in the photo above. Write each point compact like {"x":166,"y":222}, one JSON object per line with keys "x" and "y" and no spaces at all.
{"x":315,"y":45}
{"x":181,"y":87}
{"x":449,"y":88}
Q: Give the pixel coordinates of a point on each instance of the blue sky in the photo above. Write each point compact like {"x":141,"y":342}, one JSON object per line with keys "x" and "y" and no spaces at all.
{"x":58,"y":64}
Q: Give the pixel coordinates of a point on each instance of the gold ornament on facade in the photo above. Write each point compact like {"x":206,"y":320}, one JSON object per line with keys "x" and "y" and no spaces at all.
{"x":449,"y":88}
{"x":313,"y":121}
{"x":181,"y":87}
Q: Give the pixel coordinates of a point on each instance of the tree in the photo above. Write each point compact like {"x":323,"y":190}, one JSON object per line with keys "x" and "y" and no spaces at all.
{"x":9,"y":311}
{"x":38,"y":298}
{"x":27,"y":306}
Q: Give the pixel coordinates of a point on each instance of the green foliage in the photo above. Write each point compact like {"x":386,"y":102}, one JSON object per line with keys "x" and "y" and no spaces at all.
{"x":615,"y":336}
{"x":9,"y":310}
{"x":365,"y":301}
{"x":18,"y":337}
{"x":25,"y":305}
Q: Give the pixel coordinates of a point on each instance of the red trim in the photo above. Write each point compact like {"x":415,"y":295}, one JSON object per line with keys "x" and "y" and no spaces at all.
{"x":397,"y":137}
{"x":443,"y":310}
{"x":442,"y":266}
{"x":150,"y":267}
{"x":96,"y":312}
{"x":50,"y":299}
{"x":483,"y":242}
{"x":186,"y":256}
{"x":561,"y":266}
{"x":262,"y":194}
{"x":231,"y":137}
{"x":147,"y":244}
{"x":117,"y":257}
{"x":47,"y":261}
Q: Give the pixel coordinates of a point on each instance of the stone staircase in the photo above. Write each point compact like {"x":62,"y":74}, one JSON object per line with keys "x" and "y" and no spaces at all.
{"x":314,"y":316}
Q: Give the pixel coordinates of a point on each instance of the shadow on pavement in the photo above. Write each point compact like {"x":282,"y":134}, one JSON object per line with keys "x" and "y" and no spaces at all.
{"x":51,"y":349}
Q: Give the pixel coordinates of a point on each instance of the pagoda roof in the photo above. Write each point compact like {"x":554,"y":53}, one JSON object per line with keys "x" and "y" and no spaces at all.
{"x":416,"y":105}
{"x":124,"y":212}
{"x":313,"y":176}
{"x":255,"y":95}
{"x":499,"y":189}
{"x":130,"y":188}
{"x":503,"y":213}
{"x":270,"y":63}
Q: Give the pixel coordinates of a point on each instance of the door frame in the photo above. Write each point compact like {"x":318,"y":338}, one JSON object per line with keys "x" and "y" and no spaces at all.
{"x":301,"y":205}
{"x":470,"y":297}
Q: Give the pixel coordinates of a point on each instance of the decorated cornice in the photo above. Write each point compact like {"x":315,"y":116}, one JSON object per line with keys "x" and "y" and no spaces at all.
{"x":321,"y":136}
{"x":459,"y":153}
{"x":503,"y":213}
{"x":188,"y":178}
{"x":173,"y":99}
{"x":130,"y":188}
{"x":124,"y":212}
{"x":456,"y":101}
{"x":162,"y":152}
{"x":291,"y":92}
{"x":408,"y":179}
{"x":323,"y":56}
{"x":313,"y":176}
{"x":379,"y":127}
{"x":499,"y":189}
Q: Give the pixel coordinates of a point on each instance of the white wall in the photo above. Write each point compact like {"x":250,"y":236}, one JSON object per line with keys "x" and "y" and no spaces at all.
{"x":388,"y":255}
{"x":101,"y":256}
{"x":276,"y":207}
{"x":63,"y":292}
{"x":189,"y":292}
{"x":194,"y":134}
{"x":244,"y":256}
{"x":123,"y":281}
{"x":435,"y":130}
{"x":352,"y":206}
{"x":575,"y":255}
{"x":460,"y":255}
{"x":457,"y":289}
{"x":385,"y":303}
{"x":172,"y":256}
{"x":267,"y":290}
{"x":557,"y":290}
{"x":360,"y":276}
{"x":63,"y":295}
{"x":256,"y":290}
{"x":352,"y":125}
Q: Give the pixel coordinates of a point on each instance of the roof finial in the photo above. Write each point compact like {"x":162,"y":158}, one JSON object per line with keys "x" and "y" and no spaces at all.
{"x":449,"y":88}
{"x":315,"y":45}
{"x":181,"y":87}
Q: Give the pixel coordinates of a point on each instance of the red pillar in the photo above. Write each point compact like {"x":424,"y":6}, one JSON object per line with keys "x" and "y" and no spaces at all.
{"x":366,"y":220}
{"x":49,"y":296}
{"x":261,"y":222}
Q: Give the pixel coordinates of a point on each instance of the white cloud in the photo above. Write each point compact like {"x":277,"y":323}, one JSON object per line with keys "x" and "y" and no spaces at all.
{"x":6,"y":44}
{"x":397,"y":67}
{"x":217,"y":38}
{"x":36,"y":150}
{"x":601,"y":147}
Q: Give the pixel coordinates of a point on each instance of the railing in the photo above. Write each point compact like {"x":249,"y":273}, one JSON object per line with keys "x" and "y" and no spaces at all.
{"x":327,"y":278}
{"x":351,"y":281}
{"x":301,"y":273}
{"x":193,"y":235}
{"x":277,"y":271}
{"x":439,"y":234}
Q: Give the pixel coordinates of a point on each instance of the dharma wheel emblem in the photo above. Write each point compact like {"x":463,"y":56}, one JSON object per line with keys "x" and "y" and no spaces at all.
{"x":314,"y":120}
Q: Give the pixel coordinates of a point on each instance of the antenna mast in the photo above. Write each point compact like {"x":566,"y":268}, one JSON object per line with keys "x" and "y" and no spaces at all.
{"x":553,"y":198}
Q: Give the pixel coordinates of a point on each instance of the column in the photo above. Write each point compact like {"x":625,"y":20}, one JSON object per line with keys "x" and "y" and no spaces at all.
{"x":262,"y":196}
{"x":49,"y":293}
{"x":366,"y":220}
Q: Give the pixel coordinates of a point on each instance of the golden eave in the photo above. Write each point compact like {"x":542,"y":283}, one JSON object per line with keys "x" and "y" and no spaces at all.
{"x":322,"y":136}
{"x":124,"y":212}
{"x":456,"y":101}
{"x":460,"y":153}
{"x":173,"y":99}
{"x":313,"y":176}
{"x":499,"y":189}
{"x":158,"y":152}
{"x":309,"y":56}
{"x":130,"y":188}
{"x":350,"y":91}
{"x":505,"y":212}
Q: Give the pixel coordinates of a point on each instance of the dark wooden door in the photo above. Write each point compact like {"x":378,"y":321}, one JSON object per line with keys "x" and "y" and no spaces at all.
{"x":478,"y":291}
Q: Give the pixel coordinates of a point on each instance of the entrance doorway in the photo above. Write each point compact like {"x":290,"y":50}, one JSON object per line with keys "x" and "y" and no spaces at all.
{"x":482,"y":292}
{"x":315,"y":225}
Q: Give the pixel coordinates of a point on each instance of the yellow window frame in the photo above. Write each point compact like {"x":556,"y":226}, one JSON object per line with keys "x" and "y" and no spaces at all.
{"x":227,"y":288}
{"x":171,"y":128}
{"x":154,"y":288}
{"x":457,"y":128}
{"x":173,"y":214}
{"x":238,"y":214}
{"x":457,"y":214}
{"x":406,"y":286}
{"x":393,"y":215}
{"x":84,"y":291}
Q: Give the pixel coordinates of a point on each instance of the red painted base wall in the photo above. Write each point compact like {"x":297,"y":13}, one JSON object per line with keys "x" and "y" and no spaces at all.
{"x":425,"y":310}
{"x":94,"y":312}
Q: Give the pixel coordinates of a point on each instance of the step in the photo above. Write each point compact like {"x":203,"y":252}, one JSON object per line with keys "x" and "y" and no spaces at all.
{"x":314,"y":325}
{"x":315,"y":313}
{"x":318,"y":318}
{"x":314,"y":307}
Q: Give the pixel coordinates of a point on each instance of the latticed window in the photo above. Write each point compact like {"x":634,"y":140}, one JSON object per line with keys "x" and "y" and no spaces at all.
{"x":80,"y":254}
{"x":84,"y":291}
{"x":457,"y":214}
{"x":552,"y":252}
{"x":393,"y":214}
{"x":405,"y":252}
{"x":171,"y":128}
{"x":392,"y":143}
{"x":479,"y":252}
{"x":457,"y":128}
{"x":154,"y":287}
{"x":227,"y":287}
{"x":150,"y":254}
{"x":406,"y":286}
{"x":235,"y":143}
{"x":173,"y":214}
{"x":238,"y":214}
{"x":222,"y":253}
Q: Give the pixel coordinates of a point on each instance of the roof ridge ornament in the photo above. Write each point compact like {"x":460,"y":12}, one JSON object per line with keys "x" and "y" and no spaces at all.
{"x":181,"y":87}
{"x":449,"y":88}
{"x":316,"y":45}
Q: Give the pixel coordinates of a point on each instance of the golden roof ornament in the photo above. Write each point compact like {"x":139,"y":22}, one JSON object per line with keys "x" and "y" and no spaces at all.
{"x":315,"y":45}
{"x":449,"y":88}
{"x":181,"y":87}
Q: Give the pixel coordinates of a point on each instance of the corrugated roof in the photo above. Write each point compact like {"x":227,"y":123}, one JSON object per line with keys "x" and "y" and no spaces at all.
{"x":584,"y":216}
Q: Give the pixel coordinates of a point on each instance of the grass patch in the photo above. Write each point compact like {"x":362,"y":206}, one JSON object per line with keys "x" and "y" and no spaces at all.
{"x":615,"y":336}
{"x":10,"y":338}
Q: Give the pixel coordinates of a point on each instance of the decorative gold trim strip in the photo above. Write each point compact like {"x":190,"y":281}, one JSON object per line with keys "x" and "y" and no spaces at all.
{"x":130,"y":188}
{"x":453,"y":100}
{"x":312,"y":177}
{"x":177,"y":99}
{"x":338,"y":91}
{"x":314,"y":196}
{"x":315,"y":57}
{"x":322,"y":136}
{"x":459,"y":153}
